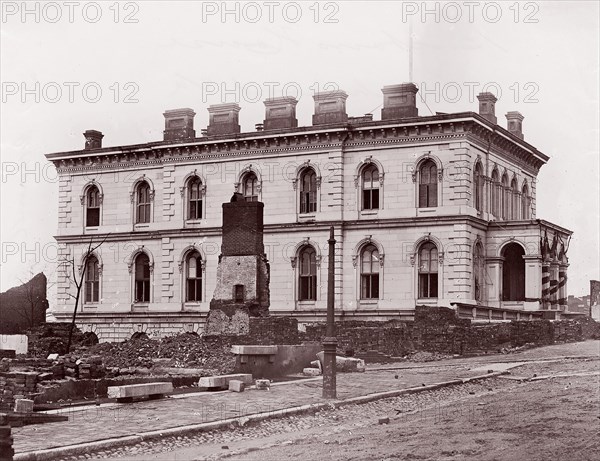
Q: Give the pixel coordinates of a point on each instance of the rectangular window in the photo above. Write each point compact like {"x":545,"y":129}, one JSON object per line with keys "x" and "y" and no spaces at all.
{"x":369,"y":286}
{"x":308,"y":288}
{"x":93,"y":217}
{"x":308,"y":202}
{"x":238,"y":293}
{"x":143,"y":213}
{"x":371,"y":199}
{"x":427,"y":195}
{"x":194,"y":290}
{"x":142,"y":291}
{"x":428,"y":285}
{"x":195,"y":211}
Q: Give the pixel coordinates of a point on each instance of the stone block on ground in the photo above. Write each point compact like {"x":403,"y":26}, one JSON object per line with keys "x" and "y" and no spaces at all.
{"x":311,"y":372}
{"x":236,"y":386}
{"x":345,"y":364}
{"x":53,"y":357}
{"x":263,"y":384}
{"x":253,"y":350}
{"x":139,"y":390}
{"x":23,"y":406}
{"x":222,"y":381}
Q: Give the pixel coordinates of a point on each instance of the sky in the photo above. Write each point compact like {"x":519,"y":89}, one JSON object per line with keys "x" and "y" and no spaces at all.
{"x":67,"y":67}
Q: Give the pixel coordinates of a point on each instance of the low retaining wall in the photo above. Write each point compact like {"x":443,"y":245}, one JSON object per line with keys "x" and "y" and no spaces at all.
{"x":438,"y":329}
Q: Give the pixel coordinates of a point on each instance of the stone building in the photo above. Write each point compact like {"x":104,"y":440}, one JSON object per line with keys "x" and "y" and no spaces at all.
{"x":428,"y":210}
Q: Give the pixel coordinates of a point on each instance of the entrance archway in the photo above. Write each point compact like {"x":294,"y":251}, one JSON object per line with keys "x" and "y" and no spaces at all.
{"x":513,"y":273}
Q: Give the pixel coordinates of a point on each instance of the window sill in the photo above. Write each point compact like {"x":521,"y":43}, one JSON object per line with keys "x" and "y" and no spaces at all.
{"x":90,"y":305}
{"x":369,"y":212}
{"x":140,"y":306}
{"x":368,"y":302}
{"x":307,"y":215}
{"x":427,"y":209}
{"x":92,"y":228}
{"x":427,"y":300}
{"x":307,"y":302}
{"x":192,"y":305}
{"x":193,"y":222}
{"x":141,"y":226}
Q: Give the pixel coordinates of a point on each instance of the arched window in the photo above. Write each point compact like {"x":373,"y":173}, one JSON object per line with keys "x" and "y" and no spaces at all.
{"x":478,"y":186}
{"x":250,"y":188}
{"x":514,"y":209}
{"x":307,"y":276}
{"x":142,"y":279}
{"x":505,"y":192}
{"x":428,"y":185}
{"x":369,"y":273}
{"x":370,"y":188}
{"x":92,"y":280}
{"x":513,"y":273}
{"x":195,"y":198}
{"x":428,"y":271}
{"x":142,"y":203}
{"x":478,"y":271}
{"x":525,"y":202}
{"x":308,"y":191}
{"x":193,"y":277}
{"x":92,"y":212}
{"x":496,"y":193}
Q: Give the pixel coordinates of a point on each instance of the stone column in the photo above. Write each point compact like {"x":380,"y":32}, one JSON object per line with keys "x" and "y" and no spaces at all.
{"x":562,"y":286}
{"x":545,"y":285}
{"x":554,"y":285}
{"x":494,"y":267}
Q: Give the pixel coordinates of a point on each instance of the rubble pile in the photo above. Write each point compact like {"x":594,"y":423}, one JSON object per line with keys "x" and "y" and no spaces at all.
{"x":52,"y":338}
{"x":184,"y":350}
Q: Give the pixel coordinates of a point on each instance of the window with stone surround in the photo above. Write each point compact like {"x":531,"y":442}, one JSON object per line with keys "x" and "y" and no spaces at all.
{"x":370,"y":188}
{"x":428,"y":271}
{"x":307,"y":274}
{"x":478,"y":186}
{"x":369,"y":272}
{"x":142,"y":279}
{"x":92,"y":209}
{"x":514,"y":209}
{"x":478,"y":272}
{"x":525,"y":202}
{"x":505,"y":198}
{"x":250,"y":188}
{"x":496,"y":193}
{"x":428,"y":179}
{"x":308,"y":191}
{"x":92,"y":280}
{"x":193,"y":277}
{"x":195,"y":203}
{"x":143,"y":203}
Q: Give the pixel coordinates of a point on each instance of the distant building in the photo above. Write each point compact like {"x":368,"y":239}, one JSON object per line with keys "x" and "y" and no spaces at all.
{"x":428,"y":210}
{"x":578,"y":305}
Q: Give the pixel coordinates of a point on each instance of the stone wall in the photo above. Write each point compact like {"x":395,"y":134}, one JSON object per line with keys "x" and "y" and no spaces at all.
{"x":438,"y":329}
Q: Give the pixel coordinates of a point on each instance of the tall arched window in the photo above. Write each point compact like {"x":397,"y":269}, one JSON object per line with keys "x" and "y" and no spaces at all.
{"x":92,"y":280}
{"x":308,"y":191}
{"x":428,"y":271}
{"x":142,"y":203}
{"x":478,"y":186}
{"x":478,"y":271}
{"x":514,"y":209}
{"x":505,"y":192}
{"x":142,"y":279}
{"x":250,"y":188}
{"x":428,"y":185}
{"x":513,"y":273}
{"x":525,"y":202}
{"x":193,"y":277}
{"x":92,"y":212}
{"x":194,"y":198}
{"x":369,"y":273}
{"x":307,"y":275}
{"x":370,"y":188}
{"x":496,"y":193}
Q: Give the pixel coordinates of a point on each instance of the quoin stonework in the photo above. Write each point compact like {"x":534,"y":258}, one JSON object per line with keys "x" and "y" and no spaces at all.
{"x":427,"y":210}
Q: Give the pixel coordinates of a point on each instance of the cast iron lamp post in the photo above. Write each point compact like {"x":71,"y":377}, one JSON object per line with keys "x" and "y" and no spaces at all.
{"x":330,"y":341}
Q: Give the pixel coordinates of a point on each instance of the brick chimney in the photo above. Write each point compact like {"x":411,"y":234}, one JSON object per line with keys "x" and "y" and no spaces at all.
{"x":399,"y":101}
{"x":280,"y":113}
{"x":330,"y":107}
{"x":93,"y":139}
{"x":515,"y":123}
{"x":179,"y":125}
{"x":487,"y":106}
{"x":223,"y":119}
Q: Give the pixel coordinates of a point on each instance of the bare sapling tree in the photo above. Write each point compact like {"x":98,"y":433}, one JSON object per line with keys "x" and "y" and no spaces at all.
{"x":77,"y":276}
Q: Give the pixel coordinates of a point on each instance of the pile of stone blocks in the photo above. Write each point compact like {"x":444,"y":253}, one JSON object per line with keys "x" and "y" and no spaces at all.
{"x":221,"y":382}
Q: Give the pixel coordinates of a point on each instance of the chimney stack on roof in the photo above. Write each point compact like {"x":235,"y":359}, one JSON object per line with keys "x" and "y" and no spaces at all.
{"x":487,"y":106}
{"x":399,"y":101}
{"x":179,"y":125}
{"x":330,"y":107}
{"x":93,"y":139}
{"x":223,"y":119}
{"x":280,"y":113}
{"x":515,"y":123}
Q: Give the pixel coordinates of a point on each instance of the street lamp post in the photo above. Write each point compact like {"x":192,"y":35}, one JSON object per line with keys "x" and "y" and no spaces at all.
{"x":330,"y":341}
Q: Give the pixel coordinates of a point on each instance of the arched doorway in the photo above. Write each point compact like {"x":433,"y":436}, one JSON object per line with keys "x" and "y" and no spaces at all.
{"x":513,"y":273}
